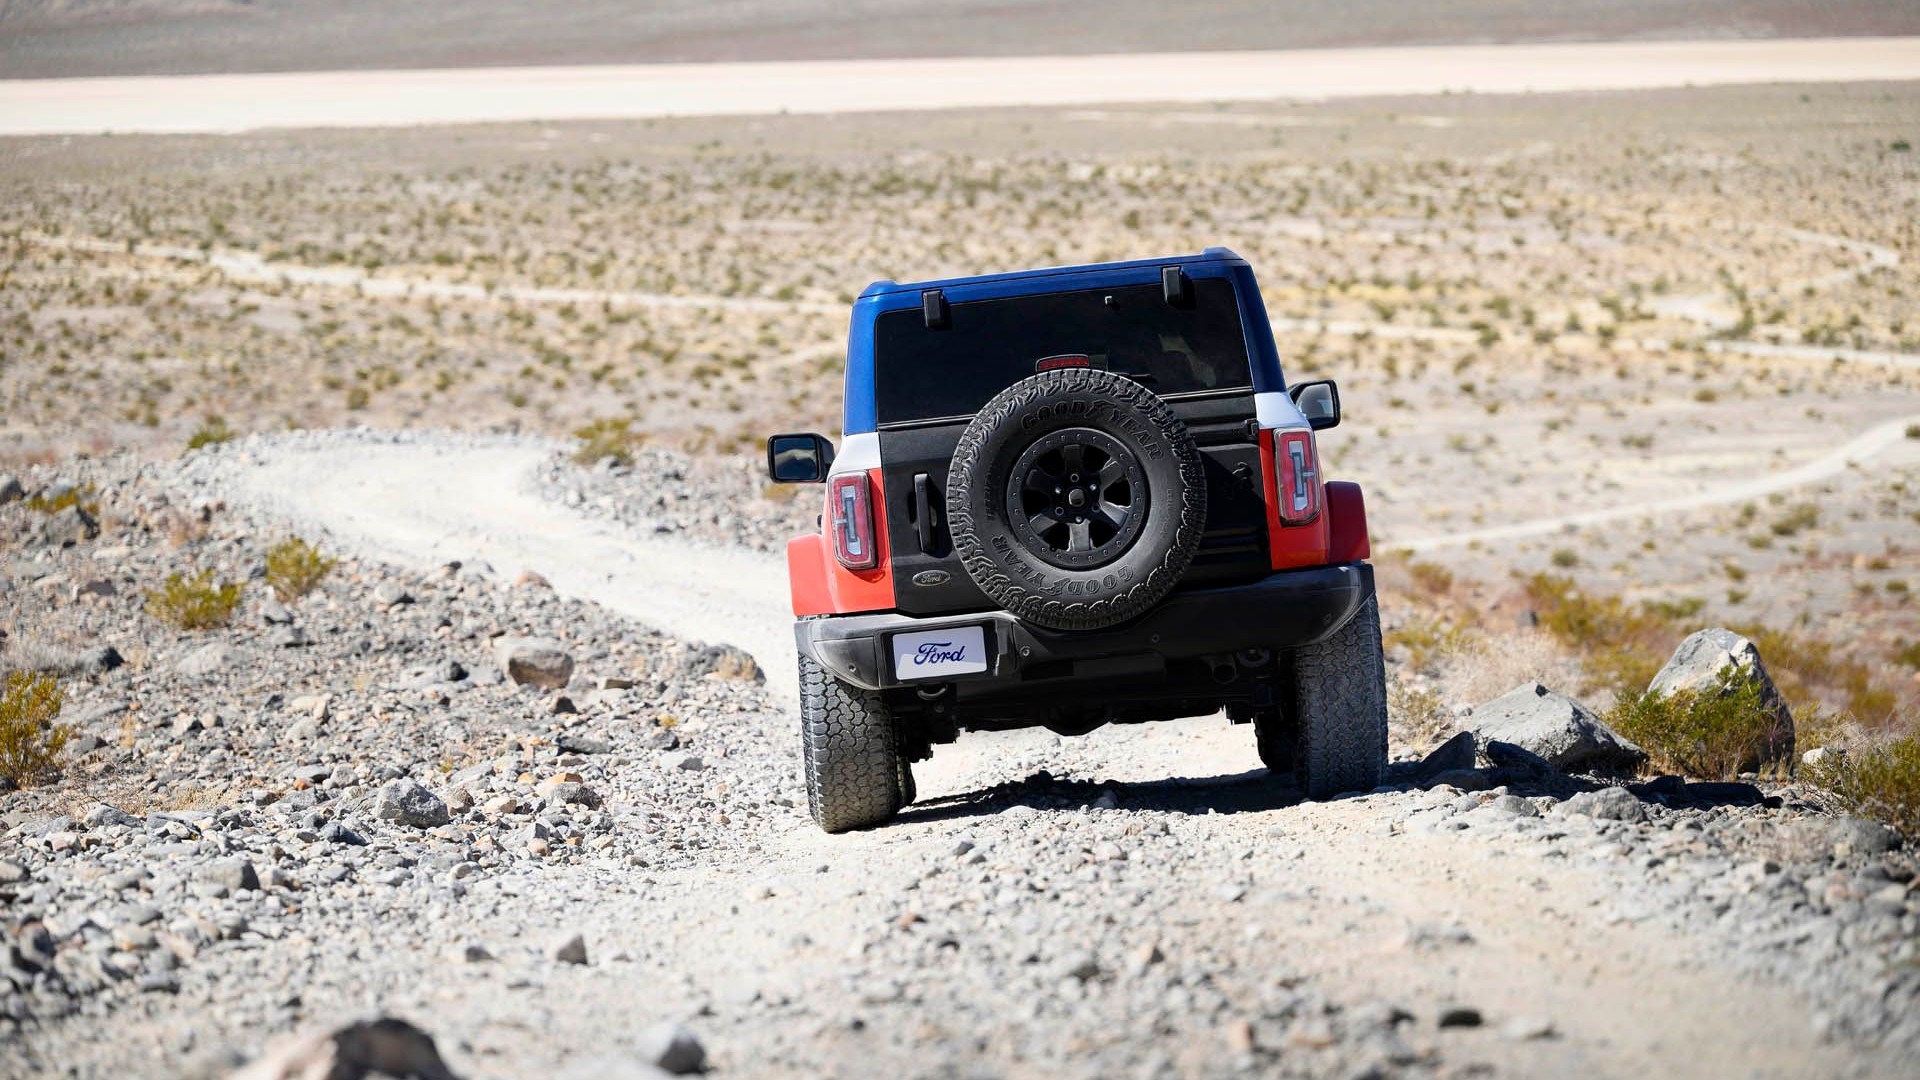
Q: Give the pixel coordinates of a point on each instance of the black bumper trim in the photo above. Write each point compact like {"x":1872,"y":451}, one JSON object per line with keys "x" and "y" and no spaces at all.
{"x":1283,"y":610}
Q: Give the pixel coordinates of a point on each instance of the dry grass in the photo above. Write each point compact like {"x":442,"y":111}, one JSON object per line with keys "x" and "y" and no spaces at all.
{"x":605,"y":438}
{"x":1880,"y":779}
{"x":30,"y":739}
{"x":194,"y":603}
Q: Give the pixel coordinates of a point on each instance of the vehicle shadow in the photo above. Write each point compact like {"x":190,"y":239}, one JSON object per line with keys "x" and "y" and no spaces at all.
{"x":1227,"y":793}
{"x":1258,"y":789}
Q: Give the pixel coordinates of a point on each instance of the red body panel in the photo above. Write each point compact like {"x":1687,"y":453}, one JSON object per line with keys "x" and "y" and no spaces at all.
{"x":1291,"y":546}
{"x":1348,"y":510}
{"x":821,"y":586}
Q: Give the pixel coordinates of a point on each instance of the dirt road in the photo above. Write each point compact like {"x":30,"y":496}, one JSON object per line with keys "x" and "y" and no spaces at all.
{"x":1139,"y":901}
{"x":225,"y":103}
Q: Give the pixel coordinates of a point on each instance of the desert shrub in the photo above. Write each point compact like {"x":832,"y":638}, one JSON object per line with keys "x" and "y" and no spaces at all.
{"x":80,"y":495}
{"x":1879,"y":781}
{"x":608,"y":437}
{"x":194,"y":603}
{"x":1419,"y":718}
{"x":30,"y":740}
{"x":1796,"y":519}
{"x":1623,"y":647}
{"x":1428,"y":641}
{"x":1707,"y":735}
{"x":1803,"y":665}
{"x":1566,"y":558}
{"x":211,"y":431}
{"x":294,"y":567}
{"x":1431,"y":577}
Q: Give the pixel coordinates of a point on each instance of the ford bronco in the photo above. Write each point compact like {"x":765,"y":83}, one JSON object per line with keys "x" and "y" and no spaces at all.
{"x":1070,"y":497}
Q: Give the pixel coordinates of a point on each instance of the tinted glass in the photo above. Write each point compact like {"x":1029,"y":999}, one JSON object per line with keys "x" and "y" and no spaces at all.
{"x":922,"y":374}
{"x":795,"y":459}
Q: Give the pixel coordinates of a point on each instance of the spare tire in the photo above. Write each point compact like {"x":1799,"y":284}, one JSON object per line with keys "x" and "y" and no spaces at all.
{"x":1076,"y":499}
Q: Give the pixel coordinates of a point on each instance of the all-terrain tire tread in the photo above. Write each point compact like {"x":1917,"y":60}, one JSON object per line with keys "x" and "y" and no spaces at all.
{"x":1341,"y":697}
{"x":849,"y":751}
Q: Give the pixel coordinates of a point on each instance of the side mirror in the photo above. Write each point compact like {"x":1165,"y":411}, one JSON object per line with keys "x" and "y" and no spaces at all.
{"x":1319,"y":402}
{"x":799,"y":459}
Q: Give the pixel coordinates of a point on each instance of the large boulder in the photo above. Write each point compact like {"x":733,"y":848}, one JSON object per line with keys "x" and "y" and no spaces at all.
{"x":540,"y":662}
{"x":1718,"y":662}
{"x":1565,"y":733}
{"x":383,"y":1046}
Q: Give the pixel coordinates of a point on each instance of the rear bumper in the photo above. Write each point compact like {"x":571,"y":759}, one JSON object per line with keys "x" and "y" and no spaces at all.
{"x":1280,"y":611}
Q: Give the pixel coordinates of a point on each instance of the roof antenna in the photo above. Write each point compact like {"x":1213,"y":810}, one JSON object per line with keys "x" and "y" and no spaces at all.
{"x":1176,"y":286}
{"x":934,"y":309}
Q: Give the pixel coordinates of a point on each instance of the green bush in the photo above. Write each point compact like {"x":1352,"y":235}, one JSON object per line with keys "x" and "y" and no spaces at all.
{"x":30,"y":741}
{"x":211,"y":431}
{"x":1705,"y":735}
{"x":294,"y":567}
{"x":194,"y":603}
{"x":80,"y":496}
{"x":608,"y":437}
{"x":1878,"y":781}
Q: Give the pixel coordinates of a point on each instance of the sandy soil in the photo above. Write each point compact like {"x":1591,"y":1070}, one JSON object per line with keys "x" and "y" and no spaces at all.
{"x":217,"y":103}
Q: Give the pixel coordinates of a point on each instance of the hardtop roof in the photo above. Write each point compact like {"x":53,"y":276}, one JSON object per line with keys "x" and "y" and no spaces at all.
{"x":1210,"y":255}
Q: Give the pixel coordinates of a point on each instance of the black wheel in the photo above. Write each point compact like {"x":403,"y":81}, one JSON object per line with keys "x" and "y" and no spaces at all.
{"x":849,"y":751}
{"x":1076,"y":499}
{"x":1340,"y":698}
{"x":1275,"y":737}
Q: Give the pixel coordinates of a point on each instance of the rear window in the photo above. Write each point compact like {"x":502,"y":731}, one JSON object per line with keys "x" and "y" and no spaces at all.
{"x":988,"y":345}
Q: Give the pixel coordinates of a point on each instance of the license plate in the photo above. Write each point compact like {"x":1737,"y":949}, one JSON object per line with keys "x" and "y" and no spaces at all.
{"x":939,"y":654}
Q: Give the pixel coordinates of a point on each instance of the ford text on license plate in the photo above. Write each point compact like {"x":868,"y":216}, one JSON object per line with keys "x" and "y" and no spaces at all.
{"x":939,"y":654}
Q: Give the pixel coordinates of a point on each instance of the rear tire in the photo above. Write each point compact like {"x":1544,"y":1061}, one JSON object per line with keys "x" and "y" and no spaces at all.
{"x":855,"y":775}
{"x":1341,"y":705}
{"x":1274,"y":737}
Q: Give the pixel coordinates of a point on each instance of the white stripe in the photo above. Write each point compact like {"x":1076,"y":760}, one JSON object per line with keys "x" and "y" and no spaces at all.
{"x":857,"y":454}
{"x":1276,"y":410}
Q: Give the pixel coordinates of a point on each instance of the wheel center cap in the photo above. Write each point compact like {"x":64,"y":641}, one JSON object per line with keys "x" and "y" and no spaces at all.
{"x":1076,"y":498}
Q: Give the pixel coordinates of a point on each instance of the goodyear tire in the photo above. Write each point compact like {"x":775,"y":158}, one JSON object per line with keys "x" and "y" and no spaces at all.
{"x":849,"y":750}
{"x":1076,"y":499}
{"x":1340,"y":700}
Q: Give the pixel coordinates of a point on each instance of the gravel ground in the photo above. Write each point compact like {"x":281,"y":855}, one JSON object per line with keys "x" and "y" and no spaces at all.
{"x":346,"y":807}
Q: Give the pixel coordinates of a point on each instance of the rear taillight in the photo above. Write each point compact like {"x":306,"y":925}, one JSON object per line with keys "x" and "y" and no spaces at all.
{"x":1299,"y":479}
{"x":851,"y":512}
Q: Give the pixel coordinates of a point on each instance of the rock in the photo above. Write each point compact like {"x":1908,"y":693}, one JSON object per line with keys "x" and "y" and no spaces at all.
{"x":683,"y":763}
{"x":101,"y":658}
{"x":1524,"y":1028}
{"x":390,"y":594}
{"x":65,"y":528}
{"x":104,"y":815}
{"x":10,"y":490}
{"x":1458,"y":1016}
{"x":1822,"y":755}
{"x":234,"y":875}
{"x":382,"y":1047}
{"x":527,"y":579}
{"x":581,"y":744}
{"x":1505,"y":755}
{"x":1464,"y":779}
{"x":205,"y":660}
{"x":275,"y":613}
{"x":1459,"y":752}
{"x":724,"y":661}
{"x":289,"y":637}
{"x":1556,"y":728}
{"x":571,"y":951}
{"x":407,"y":802}
{"x":540,"y":662}
{"x":1718,"y":661}
{"x":573,"y":794}
{"x":672,"y":1048}
{"x":1613,"y":804}
{"x":1859,"y":836}
{"x":11,"y":873}
{"x":562,"y":706}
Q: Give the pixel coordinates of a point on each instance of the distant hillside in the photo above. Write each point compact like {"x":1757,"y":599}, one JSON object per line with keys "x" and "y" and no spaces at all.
{"x":45,"y":38}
